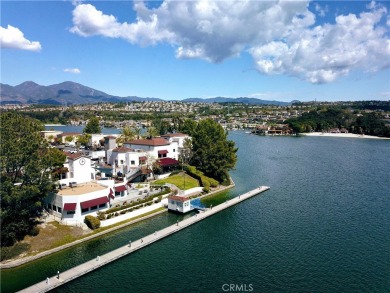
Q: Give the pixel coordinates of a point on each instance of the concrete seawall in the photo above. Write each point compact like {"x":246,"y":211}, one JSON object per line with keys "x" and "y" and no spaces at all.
{"x":75,"y":272}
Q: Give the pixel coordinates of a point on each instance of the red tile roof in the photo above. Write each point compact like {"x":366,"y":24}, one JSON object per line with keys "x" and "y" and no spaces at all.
{"x":178,"y":198}
{"x":162,"y":152}
{"x":122,"y":149}
{"x":74,"y":156}
{"x":155,"y":141}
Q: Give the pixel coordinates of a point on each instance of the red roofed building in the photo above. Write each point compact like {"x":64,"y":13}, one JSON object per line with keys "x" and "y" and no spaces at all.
{"x":179,"y":204}
{"x":156,"y":147}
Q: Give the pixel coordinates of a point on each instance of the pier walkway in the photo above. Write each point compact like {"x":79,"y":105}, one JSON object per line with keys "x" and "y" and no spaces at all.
{"x":75,"y":272}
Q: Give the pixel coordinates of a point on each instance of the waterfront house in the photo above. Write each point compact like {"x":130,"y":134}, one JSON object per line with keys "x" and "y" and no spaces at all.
{"x":157,"y":147}
{"x":179,"y":204}
{"x":70,"y":204}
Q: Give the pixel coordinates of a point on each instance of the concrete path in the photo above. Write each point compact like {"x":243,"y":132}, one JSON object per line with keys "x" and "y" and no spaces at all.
{"x":73,"y":273}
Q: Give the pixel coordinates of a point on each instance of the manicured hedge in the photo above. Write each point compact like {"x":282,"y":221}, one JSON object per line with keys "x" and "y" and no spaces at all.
{"x":92,"y":222}
{"x":205,"y":181}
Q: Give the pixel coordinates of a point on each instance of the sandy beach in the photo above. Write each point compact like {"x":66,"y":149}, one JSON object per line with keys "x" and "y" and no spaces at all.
{"x":345,"y":135}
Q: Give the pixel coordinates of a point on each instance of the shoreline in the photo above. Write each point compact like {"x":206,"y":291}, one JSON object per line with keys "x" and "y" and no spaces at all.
{"x":343,"y":135}
{"x":135,"y":245}
{"x":13,"y":263}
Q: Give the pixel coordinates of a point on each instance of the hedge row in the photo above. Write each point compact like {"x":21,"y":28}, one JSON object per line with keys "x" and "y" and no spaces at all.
{"x":124,"y":211}
{"x":205,"y":181}
{"x":136,"y":203}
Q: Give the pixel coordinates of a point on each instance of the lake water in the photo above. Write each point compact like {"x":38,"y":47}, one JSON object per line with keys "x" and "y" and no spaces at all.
{"x":324,"y":226}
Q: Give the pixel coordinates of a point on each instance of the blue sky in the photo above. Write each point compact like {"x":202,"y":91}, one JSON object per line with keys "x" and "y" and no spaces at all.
{"x":273,"y":50}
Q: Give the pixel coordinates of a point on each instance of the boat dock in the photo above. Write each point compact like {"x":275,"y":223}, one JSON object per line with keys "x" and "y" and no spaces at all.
{"x":63,"y":277}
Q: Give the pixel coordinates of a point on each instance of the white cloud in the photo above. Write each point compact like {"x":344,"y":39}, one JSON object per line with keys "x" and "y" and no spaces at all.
{"x":324,"y":53}
{"x":72,"y":70}
{"x":320,"y":9}
{"x":281,"y":36}
{"x":12,"y":37}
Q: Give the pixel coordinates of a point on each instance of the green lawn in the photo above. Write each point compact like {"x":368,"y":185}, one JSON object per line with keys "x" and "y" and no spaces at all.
{"x":178,"y":180}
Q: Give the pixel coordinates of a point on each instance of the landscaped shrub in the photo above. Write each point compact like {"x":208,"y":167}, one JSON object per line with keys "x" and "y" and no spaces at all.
{"x":174,"y":172}
{"x":206,"y":186}
{"x":123,"y":212}
{"x":101,"y":215}
{"x":205,"y":181}
{"x":213,"y":182}
{"x":92,"y":222}
{"x":116,"y":214}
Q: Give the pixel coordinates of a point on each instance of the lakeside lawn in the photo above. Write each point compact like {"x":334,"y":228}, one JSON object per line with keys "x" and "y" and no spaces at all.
{"x":178,"y":180}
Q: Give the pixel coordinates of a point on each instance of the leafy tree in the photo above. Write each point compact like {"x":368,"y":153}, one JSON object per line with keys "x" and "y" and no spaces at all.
{"x":92,"y":126}
{"x":84,"y":139}
{"x":212,"y":152}
{"x":69,"y":138}
{"x":26,"y":167}
{"x":188,"y":127}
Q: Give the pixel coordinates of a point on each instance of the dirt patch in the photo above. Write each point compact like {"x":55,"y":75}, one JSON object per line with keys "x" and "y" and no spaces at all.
{"x":51,"y":234}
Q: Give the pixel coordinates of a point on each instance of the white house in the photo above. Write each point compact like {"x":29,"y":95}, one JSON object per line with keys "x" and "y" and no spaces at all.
{"x":72,"y":204}
{"x":179,"y":204}
{"x":176,"y":137}
{"x":125,"y":159}
{"x":156,"y":147}
{"x":79,"y":169}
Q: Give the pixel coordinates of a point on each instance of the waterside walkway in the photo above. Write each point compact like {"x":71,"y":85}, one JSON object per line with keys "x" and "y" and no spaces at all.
{"x":73,"y":273}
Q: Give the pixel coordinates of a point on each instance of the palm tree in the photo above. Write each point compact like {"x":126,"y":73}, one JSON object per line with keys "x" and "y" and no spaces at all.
{"x":137,"y":132}
{"x":127,"y":134}
{"x":152,"y":132}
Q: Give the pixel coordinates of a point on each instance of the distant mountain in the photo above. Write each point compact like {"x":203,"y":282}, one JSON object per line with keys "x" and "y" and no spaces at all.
{"x":66,"y":92}
{"x":243,"y":100}
{"x":72,"y":93}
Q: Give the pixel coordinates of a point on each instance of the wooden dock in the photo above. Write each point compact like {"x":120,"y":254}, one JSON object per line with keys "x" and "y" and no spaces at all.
{"x":75,"y":272}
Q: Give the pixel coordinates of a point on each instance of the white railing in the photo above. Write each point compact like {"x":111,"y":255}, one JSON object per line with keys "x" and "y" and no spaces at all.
{"x":132,"y":172}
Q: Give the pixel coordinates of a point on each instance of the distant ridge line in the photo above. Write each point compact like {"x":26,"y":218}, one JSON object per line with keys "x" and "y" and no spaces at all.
{"x":73,"y":93}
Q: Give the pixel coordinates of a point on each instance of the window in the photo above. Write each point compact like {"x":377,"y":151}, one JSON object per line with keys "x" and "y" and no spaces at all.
{"x":84,"y":210}
{"x":103,"y":205}
{"x":174,"y":150}
{"x":70,"y":212}
{"x":132,"y":162}
{"x":59,"y":210}
{"x":121,"y":162}
{"x":94,"y":208}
